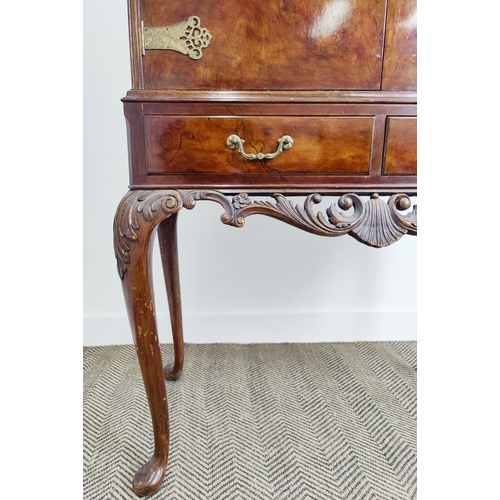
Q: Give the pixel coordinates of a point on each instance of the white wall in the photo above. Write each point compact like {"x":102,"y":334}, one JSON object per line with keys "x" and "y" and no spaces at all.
{"x":266,"y":282}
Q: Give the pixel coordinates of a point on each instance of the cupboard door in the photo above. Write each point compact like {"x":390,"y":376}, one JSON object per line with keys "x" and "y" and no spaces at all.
{"x":400,"y":56}
{"x":270,"y":45}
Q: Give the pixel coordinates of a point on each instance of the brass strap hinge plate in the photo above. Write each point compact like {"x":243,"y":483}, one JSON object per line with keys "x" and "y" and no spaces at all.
{"x":188,"y":38}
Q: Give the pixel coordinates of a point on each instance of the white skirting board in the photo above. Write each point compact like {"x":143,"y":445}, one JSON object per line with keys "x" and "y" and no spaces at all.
{"x":342,"y":326}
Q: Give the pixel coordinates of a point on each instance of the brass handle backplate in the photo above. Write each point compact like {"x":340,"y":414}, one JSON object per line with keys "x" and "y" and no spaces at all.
{"x":235,"y":142}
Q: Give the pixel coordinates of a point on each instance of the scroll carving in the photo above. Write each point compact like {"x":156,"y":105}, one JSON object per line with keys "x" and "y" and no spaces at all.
{"x":139,"y":208}
{"x":374,"y":222}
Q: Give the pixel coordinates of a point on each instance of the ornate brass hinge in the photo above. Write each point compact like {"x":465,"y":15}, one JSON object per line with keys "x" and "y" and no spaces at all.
{"x":188,"y":38}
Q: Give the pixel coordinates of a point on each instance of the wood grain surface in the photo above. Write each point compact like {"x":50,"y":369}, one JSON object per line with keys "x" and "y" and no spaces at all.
{"x":400,"y":53}
{"x":401,"y":146}
{"x":198,"y":144}
{"x":279,"y":44}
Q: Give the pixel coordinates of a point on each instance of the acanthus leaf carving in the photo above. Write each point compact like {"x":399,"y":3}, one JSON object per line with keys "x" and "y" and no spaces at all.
{"x":374,"y":222}
{"x":402,"y":202}
{"x":302,"y":217}
{"x":136,"y":209}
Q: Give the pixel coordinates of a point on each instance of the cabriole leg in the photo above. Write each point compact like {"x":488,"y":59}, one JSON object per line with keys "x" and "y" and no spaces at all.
{"x":167,"y":235}
{"x":140,"y":307}
{"x":136,"y":220}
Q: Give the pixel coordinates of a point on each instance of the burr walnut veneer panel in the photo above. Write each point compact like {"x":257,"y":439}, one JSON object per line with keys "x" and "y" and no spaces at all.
{"x":336,"y":146}
{"x":198,"y":144}
{"x":400,"y":53}
{"x":271,"y":45}
{"x":401,"y":146}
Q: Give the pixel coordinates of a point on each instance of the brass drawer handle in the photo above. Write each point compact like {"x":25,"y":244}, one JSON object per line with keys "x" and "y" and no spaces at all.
{"x":235,"y":142}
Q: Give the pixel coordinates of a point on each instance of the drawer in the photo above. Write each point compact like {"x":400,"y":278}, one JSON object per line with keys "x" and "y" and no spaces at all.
{"x":198,"y":145}
{"x":401,"y":146}
{"x":262,"y":45}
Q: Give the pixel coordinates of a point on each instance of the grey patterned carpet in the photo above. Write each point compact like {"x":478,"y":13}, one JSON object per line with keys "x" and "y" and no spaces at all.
{"x":264,"y":421}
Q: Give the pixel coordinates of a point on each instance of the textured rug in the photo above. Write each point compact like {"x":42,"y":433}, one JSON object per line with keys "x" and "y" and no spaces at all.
{"x":264,"y":421}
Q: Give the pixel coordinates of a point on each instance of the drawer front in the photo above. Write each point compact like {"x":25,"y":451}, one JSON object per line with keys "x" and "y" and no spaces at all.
{"x":195,"y":145}
{"x":268,"y":45}
{"x":336,"y":147}
{"x":401,"y":146}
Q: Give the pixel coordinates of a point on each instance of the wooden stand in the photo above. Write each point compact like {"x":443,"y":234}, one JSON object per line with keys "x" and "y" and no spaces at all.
{"x":140,"y":213}
{"x":234,"y":99}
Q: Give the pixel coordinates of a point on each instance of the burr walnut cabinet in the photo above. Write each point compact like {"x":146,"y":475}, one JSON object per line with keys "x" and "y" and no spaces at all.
{"x":237,"y":98}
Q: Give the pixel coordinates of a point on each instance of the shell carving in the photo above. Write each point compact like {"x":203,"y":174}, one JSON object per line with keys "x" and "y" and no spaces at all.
{"x":375,"y":223}
{"x":376,"y":227}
